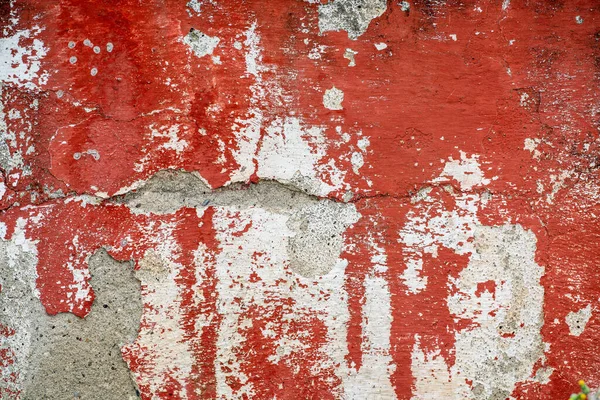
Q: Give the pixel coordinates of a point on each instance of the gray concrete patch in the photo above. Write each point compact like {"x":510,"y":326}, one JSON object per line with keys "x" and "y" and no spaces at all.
{"x":63,"y":356}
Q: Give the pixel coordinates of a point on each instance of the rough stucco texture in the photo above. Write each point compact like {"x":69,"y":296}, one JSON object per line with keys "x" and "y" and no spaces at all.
{"x":344,"y":199}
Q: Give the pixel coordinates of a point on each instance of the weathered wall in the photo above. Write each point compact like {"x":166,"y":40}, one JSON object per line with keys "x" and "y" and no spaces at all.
{"x":345,"y":199}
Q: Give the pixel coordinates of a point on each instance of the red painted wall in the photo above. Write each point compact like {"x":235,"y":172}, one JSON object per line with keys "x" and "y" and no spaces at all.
{"x":464,"y":150}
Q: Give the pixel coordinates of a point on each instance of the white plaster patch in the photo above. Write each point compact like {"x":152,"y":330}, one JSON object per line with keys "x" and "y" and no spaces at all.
{"x":499,"y":292}
{"x":465,"y":171}
{"x":21,"y":64}
{"x":169,"y":132}
{"x":161,"y":341}
{"x":363,"y":143}
{"x":290,"y":153}
{"x":247,"y":130}
{"x":531,"y":146}
{"x":79,"y":289}
{"x":412,"y":275}
{"x":317,"y":51}
{"x":3,"y":230}
{"x":577,"y":320}
{"x":357,"y":161}
{"x":253,"y":55}
{"x":543,"y":375}
{"x":373,"y":379}
{"x":333,"y":98}
{"x":558,"y":182}
{"x":200,"y":43}
{"x":432,"y":378}
{"x":349,"y":55}
{"x":506,"y":323}
{"x":380,"y":46}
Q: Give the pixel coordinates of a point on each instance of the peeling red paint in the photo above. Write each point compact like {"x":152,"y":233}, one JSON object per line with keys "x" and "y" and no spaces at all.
{"x":514,"y":88}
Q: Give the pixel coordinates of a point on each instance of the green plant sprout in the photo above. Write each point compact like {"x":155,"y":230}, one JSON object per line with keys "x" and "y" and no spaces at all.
{"x":583,"y":394}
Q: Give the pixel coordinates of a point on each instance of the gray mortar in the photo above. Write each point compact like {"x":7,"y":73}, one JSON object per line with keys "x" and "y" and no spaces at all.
{"x":68,"y":357}
{"x":319,"y":223}
{"x":352,"y":16}
{"x":168,"y":191}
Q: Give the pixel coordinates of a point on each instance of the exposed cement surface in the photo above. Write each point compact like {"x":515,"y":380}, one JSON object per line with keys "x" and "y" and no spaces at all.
{"x":168,"y":191}
{"x":319,"y":236}
{"x":513,"y":341}
{"x":71,"y":358}
{"x":65,"y":357}
{"x":319,"y":223}
{"x":352,"y":16}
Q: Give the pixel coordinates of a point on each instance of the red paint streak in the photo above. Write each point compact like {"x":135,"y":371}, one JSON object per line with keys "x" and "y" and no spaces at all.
{"x":203,"y":344}
{"x":293,"y":376}
{"x":356,"y":272}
